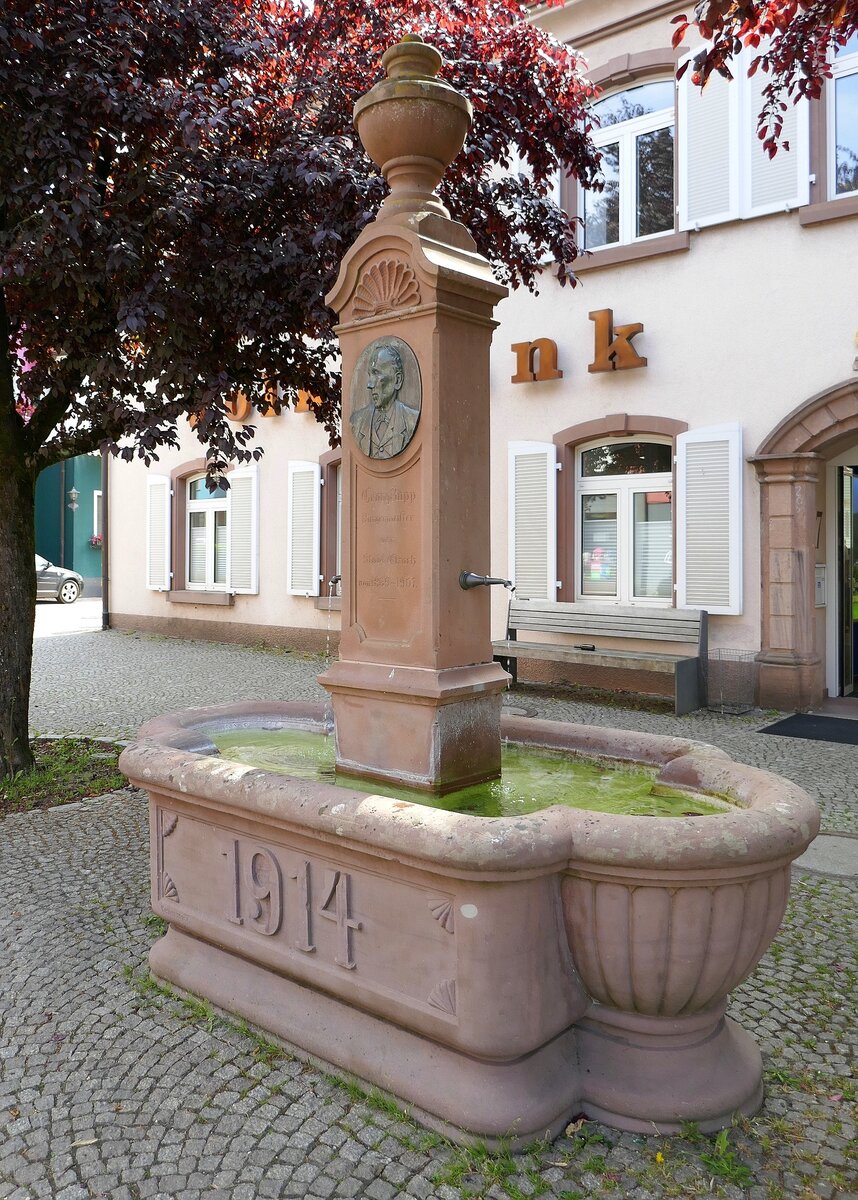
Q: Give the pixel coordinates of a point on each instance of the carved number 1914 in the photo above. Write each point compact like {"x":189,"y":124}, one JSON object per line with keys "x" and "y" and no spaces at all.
{"x":262,"y":880}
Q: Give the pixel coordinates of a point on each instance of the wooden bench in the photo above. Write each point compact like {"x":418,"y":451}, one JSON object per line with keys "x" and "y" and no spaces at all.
{"x":588,"y":621}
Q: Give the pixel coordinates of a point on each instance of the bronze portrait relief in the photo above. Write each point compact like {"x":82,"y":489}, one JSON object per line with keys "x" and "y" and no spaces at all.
{"x":386,"y":397}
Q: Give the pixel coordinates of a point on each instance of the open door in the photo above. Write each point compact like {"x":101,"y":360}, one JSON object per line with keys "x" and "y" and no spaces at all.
{"x":846,"y":577}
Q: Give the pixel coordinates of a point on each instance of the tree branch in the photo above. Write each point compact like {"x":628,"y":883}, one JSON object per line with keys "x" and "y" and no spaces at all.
{"x":47,"y":415}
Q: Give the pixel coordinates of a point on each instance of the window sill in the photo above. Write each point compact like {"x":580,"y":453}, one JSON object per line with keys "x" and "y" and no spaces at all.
{"x":828,"y":210}
{"x":611,"y":256}
{"x":192,"y":597}
{"x":335,"y":604}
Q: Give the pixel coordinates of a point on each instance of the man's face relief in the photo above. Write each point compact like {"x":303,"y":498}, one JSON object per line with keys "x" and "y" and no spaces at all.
{"x":383,"y":380}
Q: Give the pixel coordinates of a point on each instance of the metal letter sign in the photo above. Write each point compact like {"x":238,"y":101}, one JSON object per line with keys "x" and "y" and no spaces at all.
{"x":535,"y":361}
{"x":614,"y":350}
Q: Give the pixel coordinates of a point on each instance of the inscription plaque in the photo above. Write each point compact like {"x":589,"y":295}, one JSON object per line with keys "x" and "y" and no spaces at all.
{"x":387,"y":571}
{"x":309,"y":915}
{"x":386,"y":396}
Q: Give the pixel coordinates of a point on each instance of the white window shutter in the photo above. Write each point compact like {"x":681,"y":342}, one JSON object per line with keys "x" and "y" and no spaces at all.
{"x":724,"y":172}
{"x":708,"y":124}
{"x":779,"y":183}
{"x":243,"y":518}
{"x":709,"y":472}
{"x":158,"y":532}
{"x":533,"y":519}
{"x":303,"y":529}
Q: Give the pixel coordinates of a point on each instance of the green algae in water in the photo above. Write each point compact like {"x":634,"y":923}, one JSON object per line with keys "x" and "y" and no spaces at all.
{"x":531,"y":778}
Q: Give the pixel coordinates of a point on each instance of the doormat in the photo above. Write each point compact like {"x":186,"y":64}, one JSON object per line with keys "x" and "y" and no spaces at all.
{"x":818,"y":729}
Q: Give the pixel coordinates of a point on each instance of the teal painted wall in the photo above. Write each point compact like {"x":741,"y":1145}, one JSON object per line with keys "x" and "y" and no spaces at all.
{"x":84,"y":474}
{"x":48,"y":514}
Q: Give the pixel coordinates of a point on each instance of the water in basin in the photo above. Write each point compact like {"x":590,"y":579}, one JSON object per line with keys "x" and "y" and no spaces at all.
{"x":531,"y":779}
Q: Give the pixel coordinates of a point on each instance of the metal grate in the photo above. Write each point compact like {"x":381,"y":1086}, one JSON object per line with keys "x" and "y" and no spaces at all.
{"x":731,"y":683}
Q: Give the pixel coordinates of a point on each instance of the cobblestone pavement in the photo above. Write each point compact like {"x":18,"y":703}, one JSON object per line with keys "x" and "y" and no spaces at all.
{"x":110,"y":1086}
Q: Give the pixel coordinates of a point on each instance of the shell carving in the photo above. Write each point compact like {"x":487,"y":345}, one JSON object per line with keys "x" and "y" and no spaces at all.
{"x":169,"y":821}
{"x":386,"y":285}
{"x":443,"y":996}
{"x":170,"y":891}
{"x":442,"y":911}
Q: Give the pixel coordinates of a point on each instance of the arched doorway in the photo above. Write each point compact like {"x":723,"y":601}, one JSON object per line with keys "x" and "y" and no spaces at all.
{"x":806,"y":627}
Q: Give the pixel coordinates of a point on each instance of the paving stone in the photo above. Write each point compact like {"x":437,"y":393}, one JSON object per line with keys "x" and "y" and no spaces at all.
{"x":323,"y":1186}
{"x":380,"y":1190}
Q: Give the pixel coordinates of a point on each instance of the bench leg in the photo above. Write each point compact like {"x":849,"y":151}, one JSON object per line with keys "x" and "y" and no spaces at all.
{"x":686,"y":687}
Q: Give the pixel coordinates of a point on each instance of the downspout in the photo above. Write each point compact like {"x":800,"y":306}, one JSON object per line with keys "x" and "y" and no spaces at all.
{"x":105,"y":540}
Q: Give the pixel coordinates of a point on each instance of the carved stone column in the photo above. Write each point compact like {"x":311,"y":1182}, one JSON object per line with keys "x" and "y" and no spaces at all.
{"x":791,"y":665}
{"x":416,"y":695}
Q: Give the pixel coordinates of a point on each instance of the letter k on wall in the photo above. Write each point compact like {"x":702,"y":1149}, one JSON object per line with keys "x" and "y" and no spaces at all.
{"x":614,"y":350}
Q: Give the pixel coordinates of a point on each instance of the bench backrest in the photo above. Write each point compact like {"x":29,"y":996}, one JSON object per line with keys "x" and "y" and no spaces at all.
{"x":656,"y":624}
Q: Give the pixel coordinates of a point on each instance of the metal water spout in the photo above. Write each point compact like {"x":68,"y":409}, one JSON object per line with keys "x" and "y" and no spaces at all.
{"x":468,"y":580}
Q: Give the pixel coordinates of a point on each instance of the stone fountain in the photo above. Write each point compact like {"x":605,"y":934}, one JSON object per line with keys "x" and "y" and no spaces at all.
{"x":497,"y":975}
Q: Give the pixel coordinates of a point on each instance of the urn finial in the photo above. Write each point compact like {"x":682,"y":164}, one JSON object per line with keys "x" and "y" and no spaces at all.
{"x":412,"y":125}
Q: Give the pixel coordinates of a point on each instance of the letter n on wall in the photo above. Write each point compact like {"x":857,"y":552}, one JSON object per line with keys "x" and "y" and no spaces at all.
{"x":535,"y":361}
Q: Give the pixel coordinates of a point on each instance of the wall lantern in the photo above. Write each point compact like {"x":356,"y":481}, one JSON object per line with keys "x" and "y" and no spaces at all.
{"x":73,"y":495}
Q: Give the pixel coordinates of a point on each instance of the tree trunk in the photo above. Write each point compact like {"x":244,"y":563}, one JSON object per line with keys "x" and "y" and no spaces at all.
{"x":17,"y":612}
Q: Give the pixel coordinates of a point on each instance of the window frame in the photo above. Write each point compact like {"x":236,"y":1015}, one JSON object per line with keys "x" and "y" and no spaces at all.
{"x":626,"y":139}
{"x":646,"y":427}
{"x":178,"y":483}
{"x":330,"y":564}
{"x":208,"y":506}
{"x":623,"y":72}
{"x":624,"y":487}
{"x":841,"y":68}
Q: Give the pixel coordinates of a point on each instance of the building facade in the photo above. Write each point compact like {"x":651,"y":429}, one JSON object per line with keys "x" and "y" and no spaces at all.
{"x":69,"y":517}
{"x":681,"y":428}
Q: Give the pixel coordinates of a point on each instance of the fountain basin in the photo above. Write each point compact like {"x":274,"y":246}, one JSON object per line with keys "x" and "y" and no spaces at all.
{"x":497,"y":975}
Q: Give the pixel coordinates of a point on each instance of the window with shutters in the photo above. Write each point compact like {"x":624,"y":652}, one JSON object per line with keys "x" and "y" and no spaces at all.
{"x":201,"y":539}
{"x":624,"y":522}
{"x":629,"y":489}
{"x":206,"y":536}
{"x":635,"y":135}
{"x":843,"y":122}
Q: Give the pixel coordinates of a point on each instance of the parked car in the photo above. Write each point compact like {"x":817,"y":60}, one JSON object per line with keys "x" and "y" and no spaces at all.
{"x":56,"y":583}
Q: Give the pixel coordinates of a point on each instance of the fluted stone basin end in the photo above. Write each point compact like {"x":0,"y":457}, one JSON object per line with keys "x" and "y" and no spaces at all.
{"x":496,"y":975}
{"x":412,"y":126}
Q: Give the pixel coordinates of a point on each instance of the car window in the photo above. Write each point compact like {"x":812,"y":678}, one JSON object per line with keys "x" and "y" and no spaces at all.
{"x":41,"y":563}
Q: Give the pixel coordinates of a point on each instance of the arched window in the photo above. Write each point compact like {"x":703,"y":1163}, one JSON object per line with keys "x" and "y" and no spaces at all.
{"x":592,"y":514}
{"x":635,"y":136}
{"x":624,"y":492}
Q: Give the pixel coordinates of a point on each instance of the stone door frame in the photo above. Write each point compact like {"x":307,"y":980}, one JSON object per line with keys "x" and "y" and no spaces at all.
{"x":790,"y":463}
